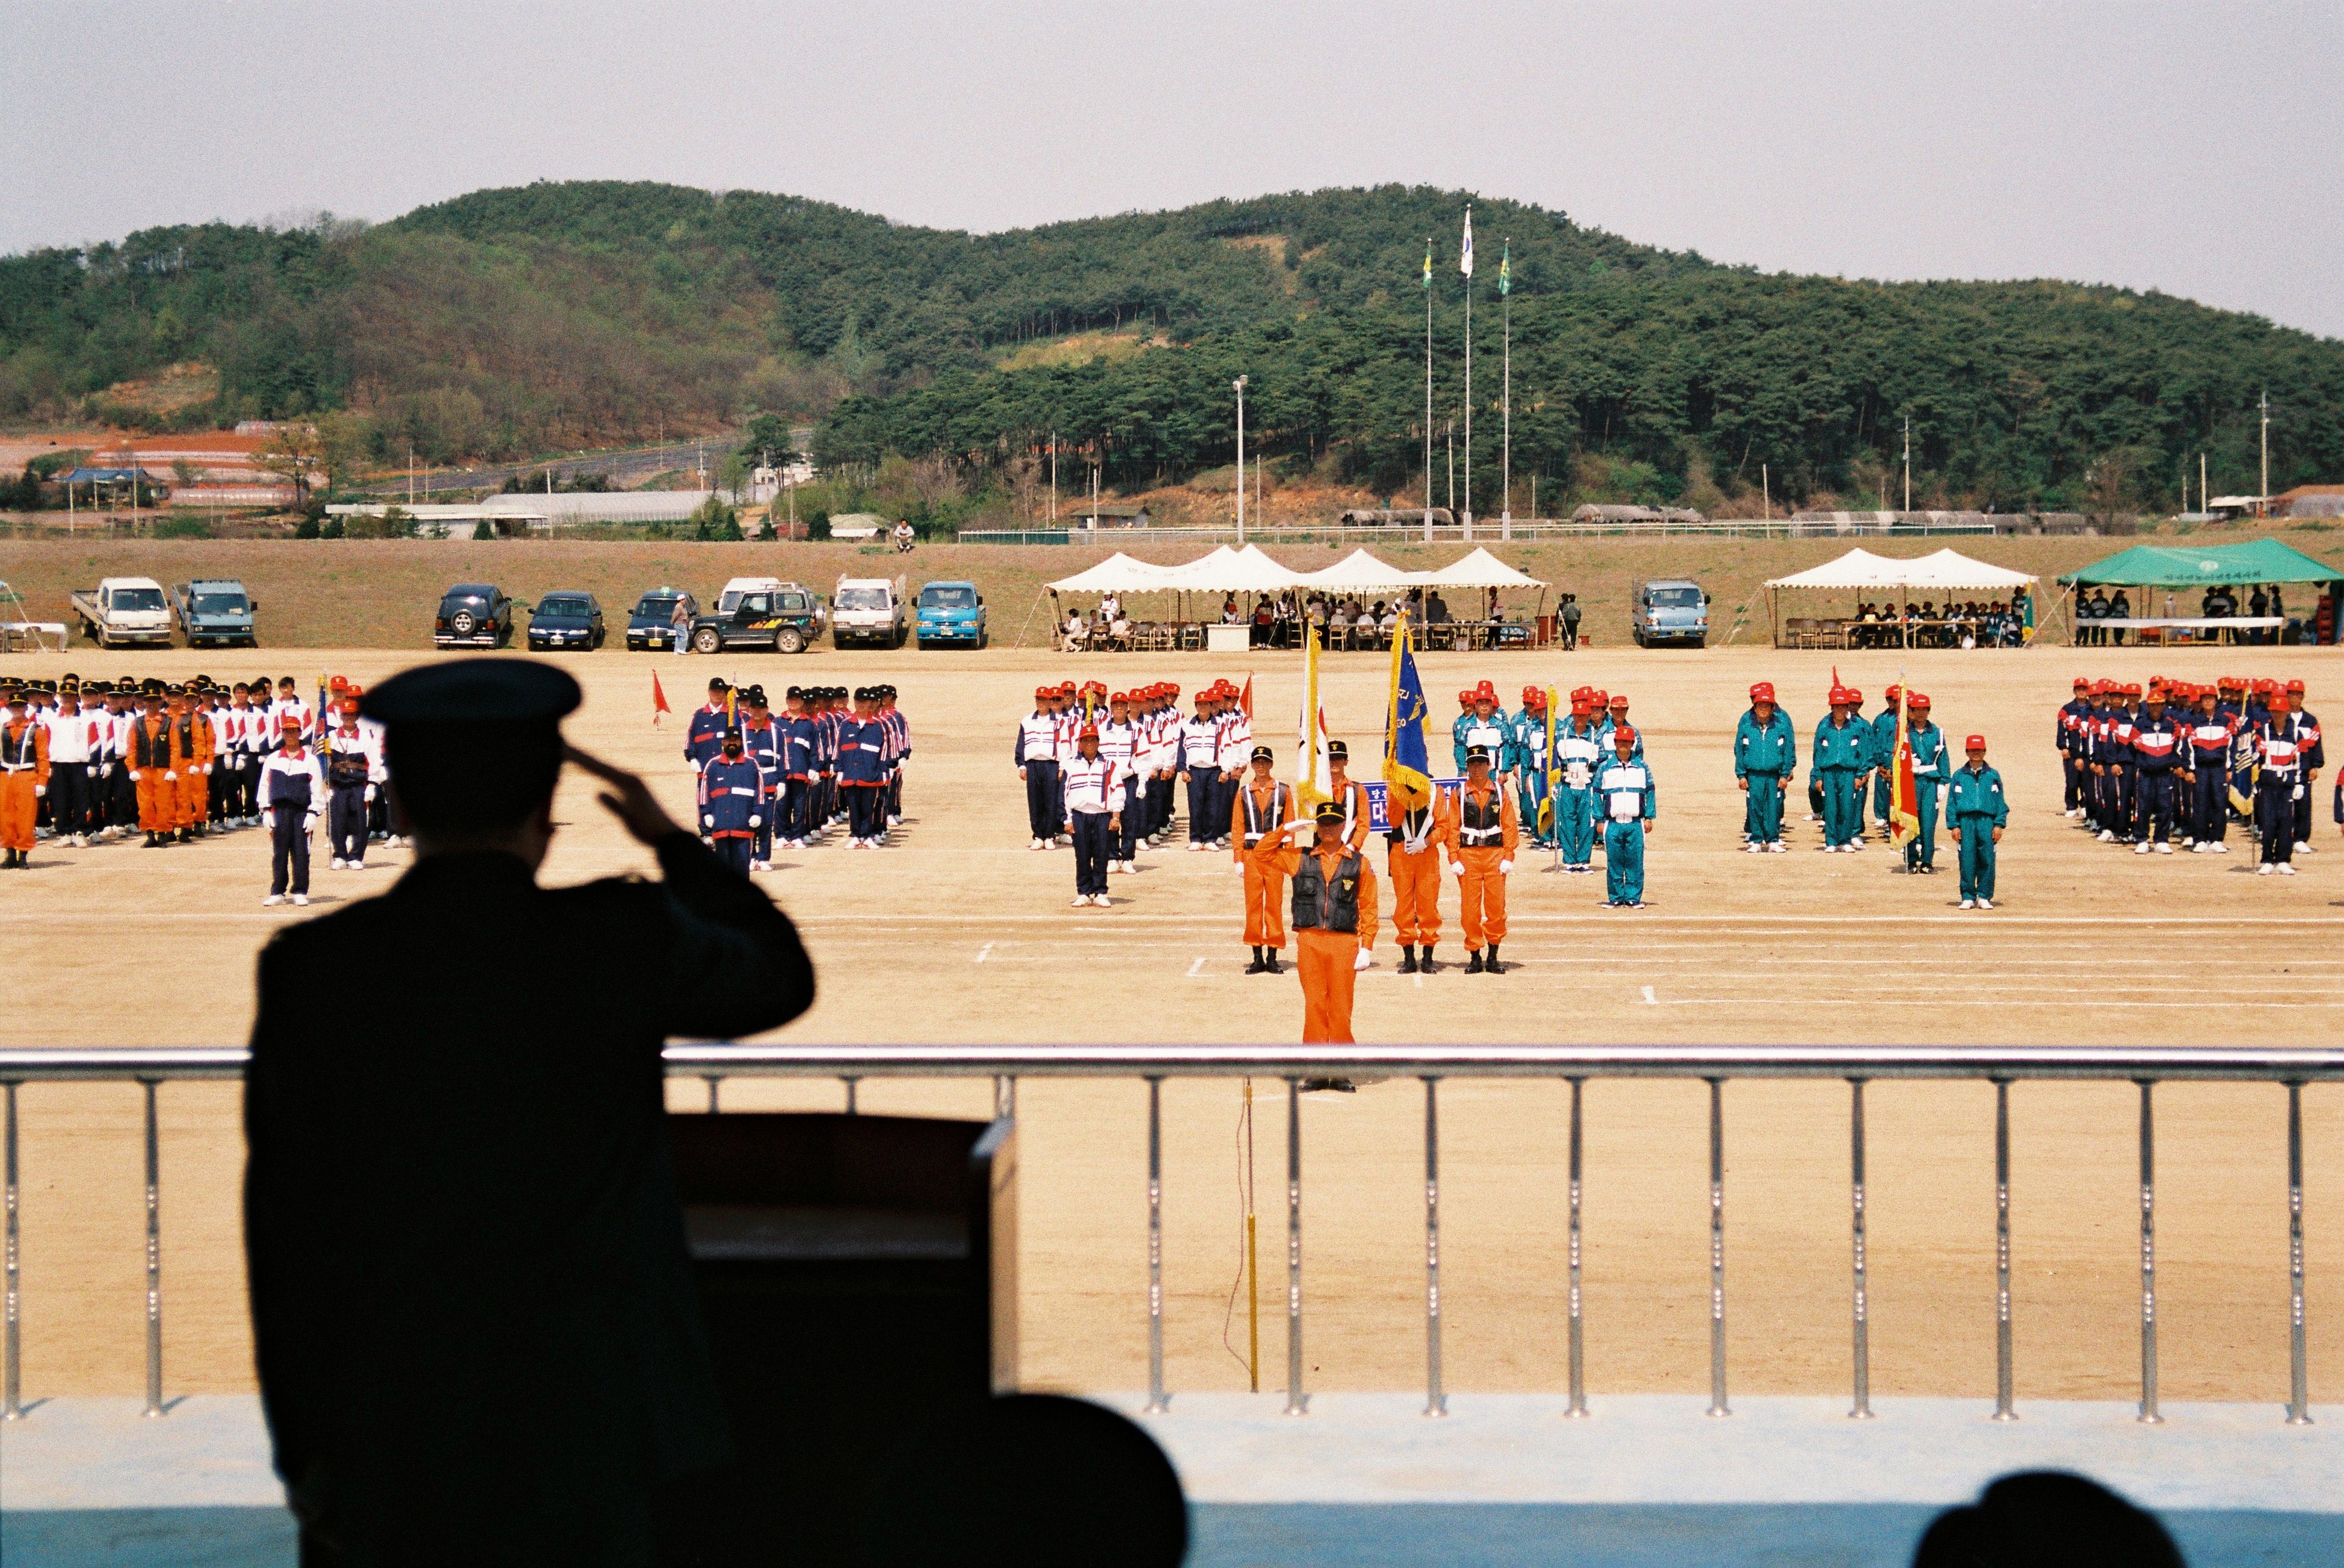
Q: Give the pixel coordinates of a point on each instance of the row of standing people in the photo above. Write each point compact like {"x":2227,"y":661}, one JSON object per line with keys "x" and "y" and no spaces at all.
{"x":829,"y":757}
{"x":2167,"y":762}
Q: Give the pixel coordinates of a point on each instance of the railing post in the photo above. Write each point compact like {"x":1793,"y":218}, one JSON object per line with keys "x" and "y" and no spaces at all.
{"x":1863,"y":1348}
{"x":2299,"y":1404}
{"x":853,"y":1084}
{"x":11,"y":1386}
{"x":1717,"y":1406}
{"x":712,"y":1081}
{"x":1297,"y":1402}
{"x":1578,"y":1406}
{"x":1156,"y":1401}
{"x":2001,"y":1353}
{"x":1436,"y":1403}
{"x":2148,"y":1255}
{"x":1004,"y":1096}
{"x":154,"y":1260}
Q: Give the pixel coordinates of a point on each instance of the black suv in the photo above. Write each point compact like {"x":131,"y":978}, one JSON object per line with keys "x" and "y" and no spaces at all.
{"x":787,"y":620}
{"x":565,"y":619}
{"x":473,"y":615}
{"x":652,"y":625}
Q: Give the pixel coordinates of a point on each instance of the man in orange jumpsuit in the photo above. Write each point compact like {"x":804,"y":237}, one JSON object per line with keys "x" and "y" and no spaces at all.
{"x":1257,"y":816}
{"x":191,"y":752}
{"x":1348,"y":793}
{"x":1484,"y":833}
{"x":24,"y":780}
{"x":1417,"y":840}
{"x":150,"y":767}
{"x":1334,"y":920}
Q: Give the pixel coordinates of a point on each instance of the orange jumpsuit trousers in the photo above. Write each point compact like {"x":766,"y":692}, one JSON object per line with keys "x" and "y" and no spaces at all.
{"x":193,"y":803}
{"x":1415,"y":893}
{"x":1324,"y":959}
{"x":1264,"y":884}
{"x":20,"y":806}
{"x":1481,"y":893}
{"x":159,"y":800}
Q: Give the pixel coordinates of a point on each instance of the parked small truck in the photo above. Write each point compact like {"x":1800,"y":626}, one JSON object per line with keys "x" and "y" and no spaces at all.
{"x":214,"y":610}
{"x":122,"y":611}
{"x":867,"y":610}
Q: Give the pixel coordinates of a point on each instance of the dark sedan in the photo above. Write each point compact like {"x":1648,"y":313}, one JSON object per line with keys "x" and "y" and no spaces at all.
{"x":565,"y":619}
{"x":652,"y":625}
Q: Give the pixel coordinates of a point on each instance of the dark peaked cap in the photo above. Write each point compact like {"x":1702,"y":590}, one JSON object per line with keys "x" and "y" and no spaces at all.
{"x":474,"y":692}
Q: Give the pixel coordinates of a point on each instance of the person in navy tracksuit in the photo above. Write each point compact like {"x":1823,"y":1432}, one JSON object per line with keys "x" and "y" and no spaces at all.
{"x":899,"y":730}
{"x":798,"y":738}
{"x":2155,"y":745}
{"x":2069,"y":739}
{"x":863,"y":773}
{"x":2314,"y":757}
{"x":761,"y":743}
{"x":733,"y":795}
{"x":705,"y":735}
{"x":2210,"y":733}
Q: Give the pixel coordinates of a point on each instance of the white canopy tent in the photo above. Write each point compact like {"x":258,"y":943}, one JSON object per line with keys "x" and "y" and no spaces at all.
{"x":1118,"y":574}
{"x":1861,"y":571}
{"x":1360,"y":572}
{"x":1478,"y":570}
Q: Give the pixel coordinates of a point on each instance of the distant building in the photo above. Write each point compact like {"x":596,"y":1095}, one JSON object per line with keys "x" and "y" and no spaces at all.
{"x":527,"y":513}
{"x":2309,"y":501}
{"x":213,"y":457}
{"x":1595,"y":513}
{"x":1106,"y":514}
{"x":858,"y":525}
{"x":1397,"y":517}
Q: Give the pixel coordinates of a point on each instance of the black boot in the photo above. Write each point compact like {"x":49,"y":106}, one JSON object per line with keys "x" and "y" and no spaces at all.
{"x":1493,"y":966}
{"x":1257,"y":967}
{"x":1269,"y":962}
{"x":1424,"y":964}
{"x":1408,"y":960}
{"x":1473,"y":965}
{"x":155,"y":841}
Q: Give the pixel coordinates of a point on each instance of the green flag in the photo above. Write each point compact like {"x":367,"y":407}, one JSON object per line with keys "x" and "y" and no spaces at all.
{"x":1506,"y":267}
{"x":1428,"y":264}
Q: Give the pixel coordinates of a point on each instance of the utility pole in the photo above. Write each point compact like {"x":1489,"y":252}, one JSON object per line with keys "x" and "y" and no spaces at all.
{"x":410,"y":476}
{"x":1240,"y":385}
{"x":1428,"y":388}
{"x":1053,"y":478}
{"x":2205,"y":496}
{"x":1506,"y":464}
{"x":1765,"y":493}
{"x":1909,"y":463}
{"x":2262,"y":499}
{"x":1449,"y":432}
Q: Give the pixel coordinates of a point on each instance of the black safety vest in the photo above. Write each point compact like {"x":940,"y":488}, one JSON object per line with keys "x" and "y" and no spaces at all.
{"x":1255,"y":825}
{"x":1482,"y":822}
{"x":1325,"y":903}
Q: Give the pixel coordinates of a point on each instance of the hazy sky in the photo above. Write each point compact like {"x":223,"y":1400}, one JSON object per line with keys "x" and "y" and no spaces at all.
{"x":2193,"y":149}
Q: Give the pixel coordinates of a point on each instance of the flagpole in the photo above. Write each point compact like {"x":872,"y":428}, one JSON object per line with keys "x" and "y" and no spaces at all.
{"x":1506,"y":465}
{"x":1428,"y":388}
{"x":1467,"y":510}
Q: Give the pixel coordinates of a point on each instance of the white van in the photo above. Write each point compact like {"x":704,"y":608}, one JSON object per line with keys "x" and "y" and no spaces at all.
{"x":867,"y":610}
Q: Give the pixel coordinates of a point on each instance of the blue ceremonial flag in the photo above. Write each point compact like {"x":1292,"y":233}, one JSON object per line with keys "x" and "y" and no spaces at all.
{"x":1406,"y":768}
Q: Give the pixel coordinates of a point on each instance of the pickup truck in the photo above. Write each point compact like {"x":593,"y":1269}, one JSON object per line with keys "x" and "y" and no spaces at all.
{"x":214,"y":610}
{"x":783,"y":617}
{"x":867,"y":610}
{"x":124,"y":609}
{"x":951,"y":612}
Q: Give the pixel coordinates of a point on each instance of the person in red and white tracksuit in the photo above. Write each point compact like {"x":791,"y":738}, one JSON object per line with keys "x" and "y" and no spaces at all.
{"x":75,"y":738}
{"x":1094,"y":787}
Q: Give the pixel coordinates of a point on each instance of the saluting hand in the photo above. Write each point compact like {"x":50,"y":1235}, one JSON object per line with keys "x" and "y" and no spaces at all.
{"x":629,"y":798}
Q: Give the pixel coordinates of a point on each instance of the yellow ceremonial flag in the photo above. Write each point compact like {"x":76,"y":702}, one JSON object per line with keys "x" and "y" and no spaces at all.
{"x":1316,"y":767}
{"x":1546,"y":799}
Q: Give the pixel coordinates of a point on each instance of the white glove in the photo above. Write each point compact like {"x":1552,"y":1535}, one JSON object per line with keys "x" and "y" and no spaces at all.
{"x":206,"y":770}
{"x":1457,"y":866}
{"x":169,"y":775}
{"x":369,"y":794}
{"x":40,"y":790}
{"x":134,"y":776}
{"x":1362,"y":961}
{"x":756,"y":822}
{"x":1505,"y":868}
{"x":105,"y":771}
{"x":308,"y":822}
{"x":709,"y":823}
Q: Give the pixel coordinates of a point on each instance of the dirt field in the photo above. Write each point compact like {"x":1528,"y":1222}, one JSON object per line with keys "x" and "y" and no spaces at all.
{"x":354,"y":593}
{"x":961,"y":934}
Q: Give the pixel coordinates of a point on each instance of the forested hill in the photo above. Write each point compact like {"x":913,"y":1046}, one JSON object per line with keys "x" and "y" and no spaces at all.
{"x":508,"y":321}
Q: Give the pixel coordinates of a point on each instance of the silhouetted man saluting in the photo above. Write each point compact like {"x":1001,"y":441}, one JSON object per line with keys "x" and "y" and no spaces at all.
{"x":472,"y":1310}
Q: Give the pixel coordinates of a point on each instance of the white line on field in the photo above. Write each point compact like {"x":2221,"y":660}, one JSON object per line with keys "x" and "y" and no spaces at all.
{"x":1196,"y":969}
{"x":981,"y":951}
{"x":1651,"y":1000}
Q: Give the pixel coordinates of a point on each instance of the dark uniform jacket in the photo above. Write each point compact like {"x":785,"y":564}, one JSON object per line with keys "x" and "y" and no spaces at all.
{"x":473,"y":1316}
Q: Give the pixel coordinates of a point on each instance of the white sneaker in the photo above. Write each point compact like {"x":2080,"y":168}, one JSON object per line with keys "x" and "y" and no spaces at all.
{"x":2220,"y":848}
{"x":1082,"y":901}
{"x":1986,"y":903}
{"x":2072,"y":810}
{"x":272,"y":901}
{"x":2286,"y":870}
{"x":1827,"y":848}
{"x":2107,"y":836}
{"x":1102,"y":901}
{"x":1969,"y":904}
{"x":1855,"y":845}
{"x":2165,"y":849}
{"x":1778,"y":847}
{"x":1036,"y":845}
{"x":2301,"y":847}
{"x":2264,"y":869}
{"x":1753,"y":847}
{"x":2196,"y":849}
{"x":2141,"y":848}
{"x":301,"y":901}
{"x":334,"y":865}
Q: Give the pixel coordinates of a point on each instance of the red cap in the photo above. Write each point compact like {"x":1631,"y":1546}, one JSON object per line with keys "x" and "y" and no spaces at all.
{"x":1841,"y":696}
{"x":2132,"y":689}
{"x":289,"y":721}
{"x":1890,"y":695}
{"x":2294,"y":686}
{"x":1123,"y":697}
{"x":2083,"y":682}
{"x":1916,"y":699}
{"x":1974,"y":743}
{"x":1856,"y":695}
{"x":1533,"y":697}
{"x":1764,"y":691}
{"x":1624,"y":732}
{"x":1485,"y":690}
{"x":1089,"y":733}
{"x":1466,"y":697}
{"x":1045,"y":690}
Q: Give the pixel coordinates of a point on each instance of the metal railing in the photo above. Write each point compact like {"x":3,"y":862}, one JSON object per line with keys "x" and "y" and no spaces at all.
{"x":1857,"y":1065}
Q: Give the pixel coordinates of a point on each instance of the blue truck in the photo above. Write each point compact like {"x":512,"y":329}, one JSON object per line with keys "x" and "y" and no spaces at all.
{"x":951,"y":612}
{"x":214,"y":610}
{"x":1670,"y":610}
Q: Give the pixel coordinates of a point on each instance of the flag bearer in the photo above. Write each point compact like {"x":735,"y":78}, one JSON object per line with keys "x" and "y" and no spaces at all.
{"x":1263,"y":809}
{"x":1843,"y":749}
{"x":1933,"y":772}
{"x":1334,"y":918}
{"x":2156,"y":750}
{"x":24,"y":780}
{"x":1884,"y":760}
{"x":1483,"y":834}
{"x":292,"y":788}
{"x":1416,"y":839}
{"x":1348,"y":793}
{"x":1092,"y":789}
{"x":1977,"y":811}
{"x":2211,"y":734}
{"x":733,"y":801}
{"x":1578,"y":754}
{"x":353,"y":765}
{"x":1533,"y":776}
{"x":1765,"y":756}
{"x":1632,"y":803}
{"x":2278,"y":741}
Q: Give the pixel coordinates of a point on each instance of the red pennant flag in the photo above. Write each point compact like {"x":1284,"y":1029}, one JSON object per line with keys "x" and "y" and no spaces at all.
{"x":659,"y":699}
{"x":1245,"y":698}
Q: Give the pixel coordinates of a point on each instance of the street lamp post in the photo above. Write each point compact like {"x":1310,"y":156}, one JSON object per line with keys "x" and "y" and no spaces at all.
{"x":1240,"y":385}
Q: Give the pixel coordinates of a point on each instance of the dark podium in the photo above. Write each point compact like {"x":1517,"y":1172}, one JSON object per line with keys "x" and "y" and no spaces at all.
{"x":858,"y":1275}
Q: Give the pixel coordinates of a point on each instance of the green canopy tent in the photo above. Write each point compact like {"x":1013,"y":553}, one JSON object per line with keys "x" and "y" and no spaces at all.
{"x":2201,"y":567}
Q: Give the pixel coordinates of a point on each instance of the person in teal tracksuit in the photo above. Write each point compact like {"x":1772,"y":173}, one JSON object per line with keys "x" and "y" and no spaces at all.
{"x":1931,"y":772}
{"x":1578,"y":756}
{"x":1465,"y":717}
{"x":1488,"y":726}
{"x":1977,"y":812}
{"x":1766,"y":755}
{"x":1631,"y":804}
{"x":1526,"y":737}
{"x":1843,"y":752}
{"x":1884,"y":759}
